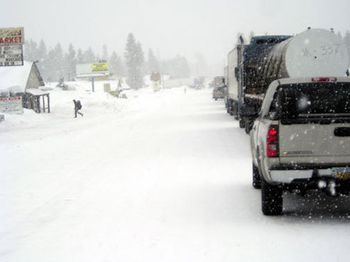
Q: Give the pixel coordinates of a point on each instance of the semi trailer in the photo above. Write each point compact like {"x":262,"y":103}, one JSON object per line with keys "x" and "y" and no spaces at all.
{"x":253,"y":67}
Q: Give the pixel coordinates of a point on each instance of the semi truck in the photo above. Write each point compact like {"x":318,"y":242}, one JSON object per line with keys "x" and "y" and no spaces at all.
{"x":219,"y":87}
{"x":253,"y":67}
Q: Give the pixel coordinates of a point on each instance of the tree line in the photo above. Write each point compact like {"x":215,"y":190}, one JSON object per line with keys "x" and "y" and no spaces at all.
{"x":346,"y":39}
{"x":56,"y":63}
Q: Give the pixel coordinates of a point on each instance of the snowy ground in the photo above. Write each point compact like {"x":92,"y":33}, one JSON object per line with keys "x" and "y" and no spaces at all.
{"x":159,"y":177}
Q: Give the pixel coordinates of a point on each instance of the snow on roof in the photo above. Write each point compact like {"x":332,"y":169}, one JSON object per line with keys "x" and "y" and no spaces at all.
{"x":36,"y":92}
{"x":15,"y":78}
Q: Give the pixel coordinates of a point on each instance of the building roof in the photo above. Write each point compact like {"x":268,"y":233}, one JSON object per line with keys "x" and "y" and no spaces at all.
{"x":14,"y":78}
{"x":36,"y":92}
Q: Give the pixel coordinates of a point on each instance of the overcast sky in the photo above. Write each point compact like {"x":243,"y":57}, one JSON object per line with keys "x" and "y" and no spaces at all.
{"x":169,"y":27}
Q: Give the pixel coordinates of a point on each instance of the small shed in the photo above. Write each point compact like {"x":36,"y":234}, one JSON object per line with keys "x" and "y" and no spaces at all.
{"x":25,"y":81}
{"x":37,"y":100}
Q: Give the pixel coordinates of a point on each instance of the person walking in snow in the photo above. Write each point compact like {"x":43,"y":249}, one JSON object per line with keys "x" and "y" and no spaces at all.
{"x":77,"y":108}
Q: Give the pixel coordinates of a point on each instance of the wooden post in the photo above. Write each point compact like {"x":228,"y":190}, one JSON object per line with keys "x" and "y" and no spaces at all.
{"x":48,"y":103}
{"x":38,"y":104}
{"x":44,"y":104}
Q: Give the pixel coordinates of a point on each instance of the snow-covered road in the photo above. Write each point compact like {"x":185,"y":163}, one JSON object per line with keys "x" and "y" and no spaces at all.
{"x":167,"y":179}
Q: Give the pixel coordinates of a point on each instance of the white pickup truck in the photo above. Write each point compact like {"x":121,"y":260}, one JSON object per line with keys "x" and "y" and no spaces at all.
{"x":301,"y":139}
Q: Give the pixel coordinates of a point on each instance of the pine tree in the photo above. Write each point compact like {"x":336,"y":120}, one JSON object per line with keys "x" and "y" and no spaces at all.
{"x":42,"y":51}
{"x":182,"y":67}
{"x":42,"y":58}
{"x":89,"y":56}
{"x":50,"y":66}
{"x":59,"y":61}
{"x":347,"y":43}
{"x":152,"y":63}
{"x":140,"y":57}
{"x":116,"y":65}
{"x":177,"y":67}
{"x":30,"y":51}
{"x":105,"y":53}
{"x":70,"y":62}
{"x":80,"y":57}
{"x":55,"y":63}
{"x":134,"y":59}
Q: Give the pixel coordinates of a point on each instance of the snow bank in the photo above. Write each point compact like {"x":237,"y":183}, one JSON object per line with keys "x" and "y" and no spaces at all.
{"x":95,"y":104}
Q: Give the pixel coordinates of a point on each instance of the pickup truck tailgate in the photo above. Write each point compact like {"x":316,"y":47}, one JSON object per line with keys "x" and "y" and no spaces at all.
{"x":315,"y":143}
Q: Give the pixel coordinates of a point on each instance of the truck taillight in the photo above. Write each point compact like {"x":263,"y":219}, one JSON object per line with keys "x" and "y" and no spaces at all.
{"x":272,"y":143}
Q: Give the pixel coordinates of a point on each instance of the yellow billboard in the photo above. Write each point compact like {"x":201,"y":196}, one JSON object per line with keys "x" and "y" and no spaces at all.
{"x":100,"y":67}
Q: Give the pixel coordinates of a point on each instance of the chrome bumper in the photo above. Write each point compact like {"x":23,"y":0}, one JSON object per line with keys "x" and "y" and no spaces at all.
{"x":287,"y":176}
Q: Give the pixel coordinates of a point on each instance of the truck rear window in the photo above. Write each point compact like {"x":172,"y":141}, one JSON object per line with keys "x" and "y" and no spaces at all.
{"x":315,"y":100}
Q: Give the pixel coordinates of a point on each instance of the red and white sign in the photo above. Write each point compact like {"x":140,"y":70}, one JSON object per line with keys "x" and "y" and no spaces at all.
{"x":11,"y":105}
{"x":11,"y":46}
{"x":12,"y":36}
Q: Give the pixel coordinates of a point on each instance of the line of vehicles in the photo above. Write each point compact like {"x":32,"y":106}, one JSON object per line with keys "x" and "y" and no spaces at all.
{"x":219,"y":87}
{"x":291,"y":94}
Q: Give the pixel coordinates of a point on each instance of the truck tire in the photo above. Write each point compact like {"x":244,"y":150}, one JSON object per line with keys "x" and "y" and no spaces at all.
{"x":271,"y":199}
{"x":228,"y":107}
{"x":256,"y":177}
{"x":234,"y":109}
{"x":247,"y":128}
{"x":241,"y":123}
{"x":230,"y":110}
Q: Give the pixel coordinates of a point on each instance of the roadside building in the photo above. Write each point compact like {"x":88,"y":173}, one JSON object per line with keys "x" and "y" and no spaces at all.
{"x":24,"y":81}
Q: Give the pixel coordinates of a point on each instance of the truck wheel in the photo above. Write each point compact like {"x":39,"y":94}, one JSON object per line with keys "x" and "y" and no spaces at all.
{"x":271,"y":199}
{"x":241,"y":123}
{"x":228,"y":108}
{"x":230,"y":111}
{"x":256,"y":177}
{"x":247,"y":127}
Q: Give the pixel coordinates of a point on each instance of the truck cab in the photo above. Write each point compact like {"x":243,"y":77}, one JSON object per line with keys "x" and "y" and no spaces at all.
{"x":219,"y":87}
{"x":301,"y":139}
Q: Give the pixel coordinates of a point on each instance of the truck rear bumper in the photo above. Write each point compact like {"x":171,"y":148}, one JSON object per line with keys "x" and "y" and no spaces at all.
{"x":288,"y":176}
{"x":333,"y":181}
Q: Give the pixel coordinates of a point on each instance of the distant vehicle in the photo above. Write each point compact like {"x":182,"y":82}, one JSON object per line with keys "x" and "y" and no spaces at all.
{"x":198,"y":83}
{"x":252,"y":67}
{"x":219,"y":87}
{"x":156,"y":81}
{"x":301,"y":139}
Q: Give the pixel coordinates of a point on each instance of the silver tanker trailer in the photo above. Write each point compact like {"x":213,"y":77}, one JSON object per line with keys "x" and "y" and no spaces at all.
{"x":252,"y":67}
